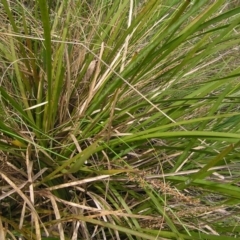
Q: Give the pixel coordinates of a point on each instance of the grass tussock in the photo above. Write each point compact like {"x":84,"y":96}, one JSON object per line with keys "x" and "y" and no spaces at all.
{"x":119,"y":119}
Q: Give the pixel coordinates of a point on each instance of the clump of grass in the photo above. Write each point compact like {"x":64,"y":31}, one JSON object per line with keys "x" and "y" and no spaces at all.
{"x":119,"y":120}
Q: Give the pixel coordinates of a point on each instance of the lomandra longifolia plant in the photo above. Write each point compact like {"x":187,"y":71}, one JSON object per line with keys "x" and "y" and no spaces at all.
{"x":119,"y":119}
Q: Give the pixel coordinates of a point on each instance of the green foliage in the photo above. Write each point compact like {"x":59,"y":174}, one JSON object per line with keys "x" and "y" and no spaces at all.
{"x":120,"y":119}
